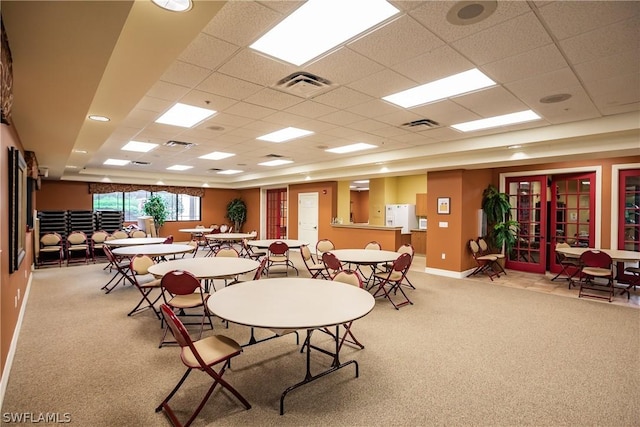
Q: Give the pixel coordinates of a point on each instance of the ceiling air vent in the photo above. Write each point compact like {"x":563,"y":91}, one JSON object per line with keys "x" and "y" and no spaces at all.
{"x":303,"y":84}
{"x":274,"y":156}
{"x":179,"y":144}
{"x":139,"y":163}
{"x":214,"y":170}
{"x":422,"y":124}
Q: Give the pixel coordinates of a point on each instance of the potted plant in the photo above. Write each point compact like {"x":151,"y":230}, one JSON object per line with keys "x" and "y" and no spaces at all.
{"x":237,"y":213}
{"x":501,"y":230}
{"x":156,"y":208}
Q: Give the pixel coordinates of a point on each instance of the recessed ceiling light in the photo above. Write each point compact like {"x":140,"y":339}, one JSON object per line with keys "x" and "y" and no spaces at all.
{"x":471,"y":12}
{"x":350,"y":148}
{"x":179,"y":168}
{"x":80,"y":151}
{"x":275,"y":162}
{"x":140,"y":147}
{"x":71,"y":167}
{"x":492,"y":122}
{"x":174,"y":5}
{"x":447,"y":87}
{"x":96,"y":118}
{"x":229,"y":172}
{"x":514,"y":147}
{"x":558,"y":97}
{"x":184,"y":115}
{"x":285,"y":134}
{"x":116,"y":162}
{"x":216,"y":155}
{"x":319,"y":25}
{"x":362,"y":181}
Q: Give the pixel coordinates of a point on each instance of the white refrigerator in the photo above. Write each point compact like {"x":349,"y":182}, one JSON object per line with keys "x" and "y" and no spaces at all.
{"x":401,"y":216}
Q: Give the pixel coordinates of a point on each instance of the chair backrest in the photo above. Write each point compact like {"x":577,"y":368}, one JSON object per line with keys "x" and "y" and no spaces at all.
{"x":138,"y":233}
{"x":373,"y":246}
{"x":194,"y":245}
{"x":180,"y":282}
{"x":224,"y":228}
{"x":178,"y":329}
{"x":120,"y":234}
{"x":559,"y":255}
{"x":475,"y":249}
{"x":482,"y":244}
{"x":227,"y":252}
{"x":51,"y":239}
{"x":140,"y":264}
{"x":350,"y":277}
{"x":99,"y":237}
{"x":407,"y":248}
{"x":260,"y":269}
{"x":110,"y":256}
{"x":597,"y":259}
{"x":278,"y":248}
{"x":199,"y":226}
{"x":324,"y":245}
{"x":331,"y":261}
{"x":306,"y":253}
{"x":77,"y":238}
{"x":402,"y":263}
{"x":168,"y":240}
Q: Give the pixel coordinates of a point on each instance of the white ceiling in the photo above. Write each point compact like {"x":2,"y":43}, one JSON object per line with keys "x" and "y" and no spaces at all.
{"x":130,"y":61}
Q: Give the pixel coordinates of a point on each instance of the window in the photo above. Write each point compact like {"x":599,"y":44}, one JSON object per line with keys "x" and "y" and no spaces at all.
{"x":180,"y":207}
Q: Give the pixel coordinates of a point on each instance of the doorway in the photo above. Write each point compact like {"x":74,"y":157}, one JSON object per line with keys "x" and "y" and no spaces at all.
{"x":308,"y":218}
{"x":276,"y":223}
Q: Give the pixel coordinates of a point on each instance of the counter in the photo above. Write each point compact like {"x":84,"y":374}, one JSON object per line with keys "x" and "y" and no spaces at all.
{"x":419,"y":240}
{"x":351,"y":236}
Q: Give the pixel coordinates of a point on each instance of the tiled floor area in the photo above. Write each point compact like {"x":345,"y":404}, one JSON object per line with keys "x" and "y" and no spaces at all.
{"x":542,"y":283}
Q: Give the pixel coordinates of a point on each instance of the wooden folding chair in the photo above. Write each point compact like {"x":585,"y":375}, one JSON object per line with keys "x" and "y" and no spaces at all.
{"x":390,"y":282}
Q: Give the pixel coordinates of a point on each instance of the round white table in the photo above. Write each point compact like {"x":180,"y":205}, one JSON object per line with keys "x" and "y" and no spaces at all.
{"x":294,"y":303}
{"x":196,"y":230}
{"x":152,"y":250}
{"x":206,"y":268}
{"x":362,"y":257}
{"x":229,"y":236}
{"x":135,"y":241}
{"x":264,"y":244}
{"x":615,"y":254}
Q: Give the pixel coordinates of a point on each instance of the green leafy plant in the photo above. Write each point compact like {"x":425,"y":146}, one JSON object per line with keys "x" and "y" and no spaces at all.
{"x":502,"y":231}
{"x":237,"y":213}
{"x":156,"y":208}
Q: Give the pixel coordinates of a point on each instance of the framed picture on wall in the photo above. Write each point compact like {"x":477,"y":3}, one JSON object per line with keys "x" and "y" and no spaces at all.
{"x":17,"y":208}
{"x":444,"y":205}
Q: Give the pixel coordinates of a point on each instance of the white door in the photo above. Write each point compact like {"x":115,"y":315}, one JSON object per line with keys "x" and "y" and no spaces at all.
{"x":308,"y":218}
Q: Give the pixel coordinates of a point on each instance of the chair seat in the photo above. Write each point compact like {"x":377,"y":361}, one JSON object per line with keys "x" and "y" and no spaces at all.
{"x":212,"y":349}
{"x":78,"y":247}
{"x":50,"y":249}
{"x":487,"y":258}
{"x":186,"y":301}
{"x":277,"y":258}
{"x":395,"y":276}
{"x":597,"y":271}
{"x":155,"y":283}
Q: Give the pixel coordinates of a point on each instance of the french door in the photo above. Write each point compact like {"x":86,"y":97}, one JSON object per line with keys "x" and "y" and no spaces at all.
{"x":277,"y":213}
{"x":528,"y":198}
{"x":628,"y":216}
{"x":572,"y":212}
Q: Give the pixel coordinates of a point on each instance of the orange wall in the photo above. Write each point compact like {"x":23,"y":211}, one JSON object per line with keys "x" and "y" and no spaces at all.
{"x":18,"y":280}
{"x":360,"y":206}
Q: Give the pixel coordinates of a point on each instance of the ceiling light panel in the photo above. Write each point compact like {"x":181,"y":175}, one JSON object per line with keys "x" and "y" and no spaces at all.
{"x":184,"y":115}
{"x":116,"y":162}
{"x":179,"y":168}
{"x":497,"y":121}
{"x":457,"y":84}
{"x":140,"y":147}
{"x":229,"y":172}
{"x":279,"y":162}
{"x":350,"y":148}
{"x":320,"y":25}
{"x":216,"y":155}
{"x":284,"y":135}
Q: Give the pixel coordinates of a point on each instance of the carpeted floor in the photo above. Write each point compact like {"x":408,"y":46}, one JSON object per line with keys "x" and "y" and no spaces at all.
{"x":468,"y":352}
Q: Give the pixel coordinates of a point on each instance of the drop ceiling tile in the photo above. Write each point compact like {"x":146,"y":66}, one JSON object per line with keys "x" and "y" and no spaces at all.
{"x":256,"y":68}
{"x":167,"y":91}
{"x":310,"y":109}
{"x":604,"y":41}
{"x":389,"y":132}
{"x":397,"y":41}
{"x":579,"y":107}
{"x":230,"y":87}
{"x":317,"y":126}
{"x":185,"y":74}
{"x":490,"y":102}
{"x":284,"y":118}
{"x":405,"y":5}
{"x":374,"y":108}
{"x":283,"y":7}
{"x":433,"y":65}
{"x":433,"y":15}
{"x":509,"y":38}
{"x":272,"y":98}
{"x":242,"y":22}
{"x":207,"y":100}
{"x":229,"y":120}
{"x":446,"y":112}
{"x":340,"y":118}
{"x":153,"y":104}
{"x":367,"y":125}
{"x":609,"y":66}
{"x":208,"y":52}
{"x":399,"y":117}
{"x":342,"y":132}
{"x":541,"y":60}
{"x":342,"y":97}
{"x":616,"y":93}
{"x":382,"y":83}
{"x":343,"y":66}
{"x":531,"y":90}
{"x":568,"y":18}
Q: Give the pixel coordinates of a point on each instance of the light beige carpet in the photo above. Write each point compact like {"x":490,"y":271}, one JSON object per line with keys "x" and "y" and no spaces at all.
{"x":466,"y":353}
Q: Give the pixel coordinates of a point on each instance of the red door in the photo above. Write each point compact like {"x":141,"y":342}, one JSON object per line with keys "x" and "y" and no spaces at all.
{"x":277,"y":213}
{"x":528,"y":198}
{"x":628,"y":216}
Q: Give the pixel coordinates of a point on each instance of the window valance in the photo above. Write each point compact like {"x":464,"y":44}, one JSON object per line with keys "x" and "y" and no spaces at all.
{"x":102,"y":188}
